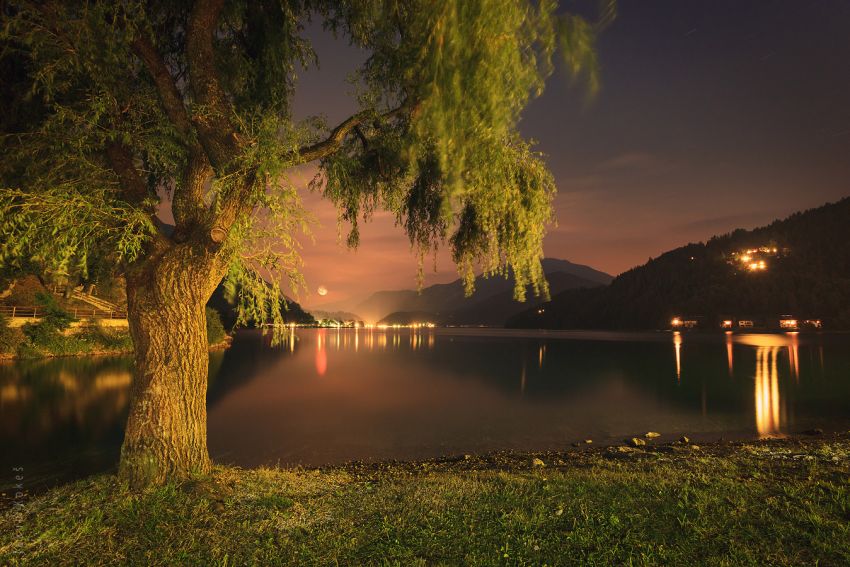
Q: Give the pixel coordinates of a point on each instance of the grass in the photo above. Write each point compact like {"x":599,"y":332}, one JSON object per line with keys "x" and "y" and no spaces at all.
{"x":780,"y":503}
{"x":90,"y":339}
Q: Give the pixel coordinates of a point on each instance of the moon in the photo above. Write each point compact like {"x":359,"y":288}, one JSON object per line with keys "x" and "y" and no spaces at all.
{"x":322,"y":290}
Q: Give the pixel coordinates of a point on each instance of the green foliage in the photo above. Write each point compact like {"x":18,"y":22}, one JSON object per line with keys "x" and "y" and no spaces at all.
{"x":98,"y":132}
{"x":104,"y":339}
{"x":88,"y":339}
{"x":457,"y":168}
{"x":49,"y":328}
{"x":10,"y":338}
{"x":215,"y":328}
{"x":50,"y":337}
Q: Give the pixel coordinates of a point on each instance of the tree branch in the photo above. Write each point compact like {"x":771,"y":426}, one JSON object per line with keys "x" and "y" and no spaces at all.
{"x":188,"y":202}
{"x":215,"y":131}
{"x":333,"y":142}
{"x":362,"y":136}
{"x":121,"y":160}
{"x":172,"y":100}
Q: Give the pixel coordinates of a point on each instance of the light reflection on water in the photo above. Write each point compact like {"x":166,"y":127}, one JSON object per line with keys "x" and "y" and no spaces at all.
{"x":768,"y":420}
{"x":331,"y":395}
{"x":769,"y":411}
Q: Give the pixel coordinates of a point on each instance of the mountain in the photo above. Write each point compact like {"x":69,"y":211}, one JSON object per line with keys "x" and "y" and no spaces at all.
{"x":407,"y":318}
{"x":491,"y":304}
{"x":341,"y":316}
{"x":798,"y":266}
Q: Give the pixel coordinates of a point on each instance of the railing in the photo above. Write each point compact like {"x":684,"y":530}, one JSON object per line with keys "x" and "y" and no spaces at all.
{"x":78,"y":313}
{"x":79,"y":294}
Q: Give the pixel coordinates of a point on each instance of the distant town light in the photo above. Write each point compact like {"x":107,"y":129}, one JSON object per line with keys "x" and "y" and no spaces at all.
{"x":755,"y":259}
{"x":676,"y":322}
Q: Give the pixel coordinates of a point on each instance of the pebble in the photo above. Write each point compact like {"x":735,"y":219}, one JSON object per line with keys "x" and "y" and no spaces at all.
{"x":636,"y":442}
{"x":535,"y":462}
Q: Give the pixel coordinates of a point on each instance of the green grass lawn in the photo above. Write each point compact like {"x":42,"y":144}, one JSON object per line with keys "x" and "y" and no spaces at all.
{"x":757,"y":503}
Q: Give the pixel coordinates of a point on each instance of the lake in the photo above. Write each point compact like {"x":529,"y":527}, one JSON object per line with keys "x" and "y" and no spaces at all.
{"x":328,"y":396}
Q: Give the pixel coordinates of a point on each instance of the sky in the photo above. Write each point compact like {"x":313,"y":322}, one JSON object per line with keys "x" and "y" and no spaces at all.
{"x":713,"y":115}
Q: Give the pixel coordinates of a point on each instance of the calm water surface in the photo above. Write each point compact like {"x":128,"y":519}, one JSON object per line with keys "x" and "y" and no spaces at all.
{"x":329,"y":396}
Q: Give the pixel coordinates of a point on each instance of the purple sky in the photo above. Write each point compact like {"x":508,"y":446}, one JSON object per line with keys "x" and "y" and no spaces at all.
{"x":713,"y":115}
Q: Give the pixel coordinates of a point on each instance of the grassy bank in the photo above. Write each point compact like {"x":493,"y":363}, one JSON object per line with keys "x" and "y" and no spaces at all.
{"x":53,"y":336}
{"x":777,"y":502}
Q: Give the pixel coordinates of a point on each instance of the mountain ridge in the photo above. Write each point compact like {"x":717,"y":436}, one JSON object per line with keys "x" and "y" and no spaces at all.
{"x":799,"y":265}
{"x":448,"y":304}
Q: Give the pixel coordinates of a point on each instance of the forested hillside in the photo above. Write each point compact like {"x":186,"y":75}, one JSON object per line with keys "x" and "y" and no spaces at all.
{"x":798,"y":266}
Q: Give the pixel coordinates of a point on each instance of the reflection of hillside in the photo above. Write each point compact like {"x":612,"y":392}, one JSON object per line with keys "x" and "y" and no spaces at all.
{"x":46,"y":398}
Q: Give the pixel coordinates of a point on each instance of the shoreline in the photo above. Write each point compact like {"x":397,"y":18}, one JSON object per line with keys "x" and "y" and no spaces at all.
{"x":219,"y":346}
{"x":515,"y":461}
{"x":776,"y":501}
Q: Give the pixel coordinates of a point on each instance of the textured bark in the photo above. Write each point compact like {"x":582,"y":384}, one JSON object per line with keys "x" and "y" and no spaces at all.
{"x":166,"y":433}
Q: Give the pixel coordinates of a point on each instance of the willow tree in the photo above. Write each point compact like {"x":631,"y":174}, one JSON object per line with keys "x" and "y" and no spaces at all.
{"x":113,"y":109}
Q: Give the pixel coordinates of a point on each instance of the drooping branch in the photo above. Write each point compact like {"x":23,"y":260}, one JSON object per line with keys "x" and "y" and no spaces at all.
{"x":239,"y":202}
{"x":337,"y":136}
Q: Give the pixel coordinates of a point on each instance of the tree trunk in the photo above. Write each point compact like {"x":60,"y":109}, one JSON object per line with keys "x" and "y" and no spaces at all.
{"x":166,"y":433}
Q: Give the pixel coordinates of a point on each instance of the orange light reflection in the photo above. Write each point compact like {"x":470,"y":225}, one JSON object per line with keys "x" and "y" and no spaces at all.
{"x":321,"y":354}
{"x":767,"y":392}
{"x":677,"y":345}
{"x":729,"y":351}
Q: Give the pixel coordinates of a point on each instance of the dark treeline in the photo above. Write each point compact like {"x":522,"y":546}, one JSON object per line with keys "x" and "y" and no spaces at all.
{"x":808,"y":277}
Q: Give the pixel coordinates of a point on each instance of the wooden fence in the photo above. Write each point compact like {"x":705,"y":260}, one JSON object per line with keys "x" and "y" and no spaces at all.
{"x":29,"y":312}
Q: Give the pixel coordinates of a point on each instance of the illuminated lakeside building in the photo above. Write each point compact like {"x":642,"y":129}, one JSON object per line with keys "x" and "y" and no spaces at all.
{"x":747,"y":323}
{"x":684,"y":323}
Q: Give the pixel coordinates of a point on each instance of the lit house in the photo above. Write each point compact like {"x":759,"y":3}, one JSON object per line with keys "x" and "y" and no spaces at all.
{"x":679,"y":323}
{"x":755,"y":259}
{"x":780,"y":323}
